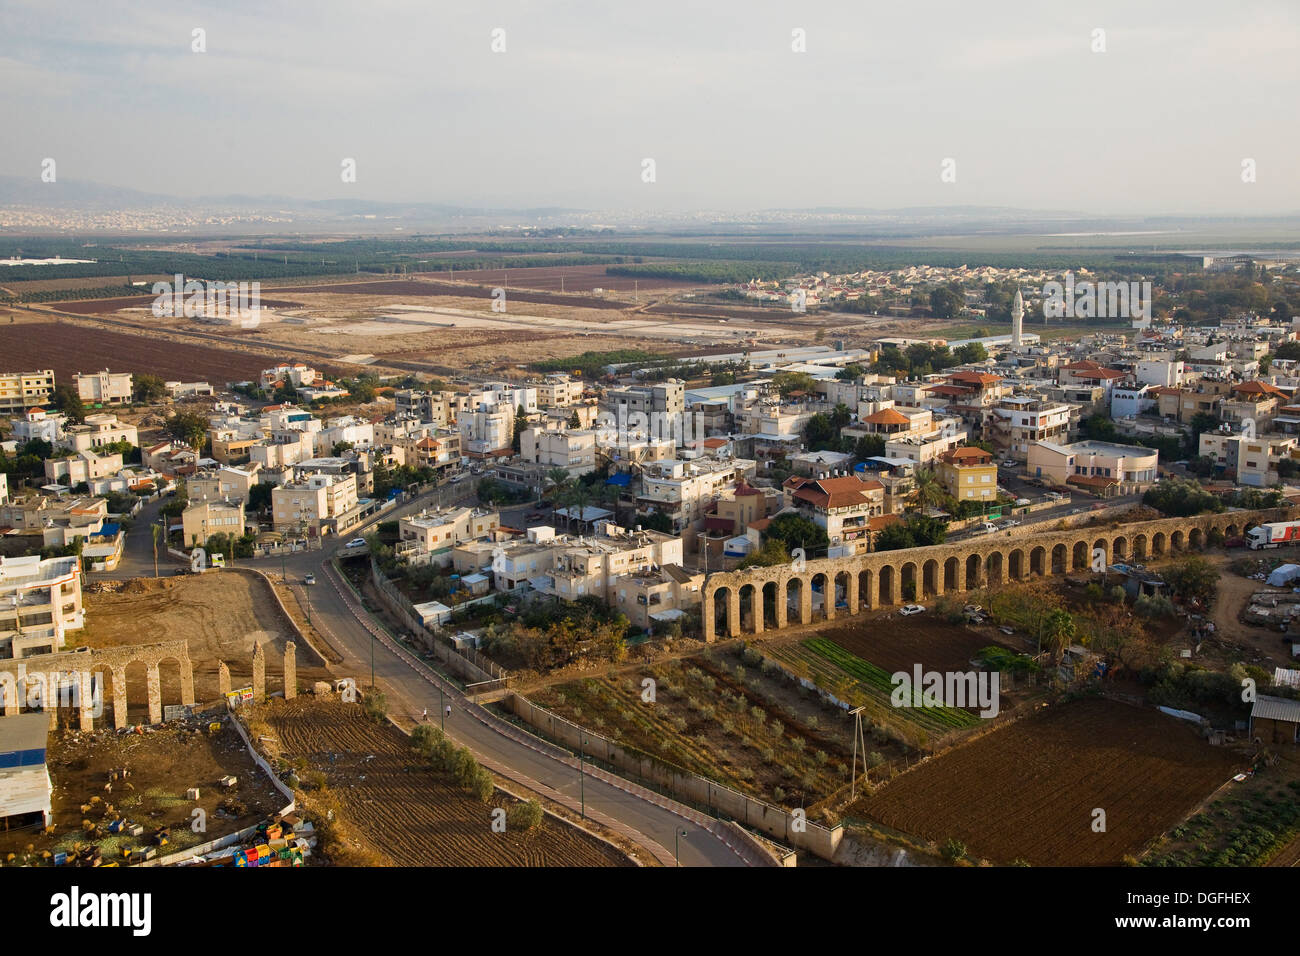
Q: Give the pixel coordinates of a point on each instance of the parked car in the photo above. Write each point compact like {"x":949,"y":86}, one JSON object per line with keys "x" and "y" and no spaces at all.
{"x":356,"y":543}
{"x":1098,"y":506}
{"x":909,"y":609}
{"x":1022,"y":502}
{"x":533,"y":516}
{"x":1009,"y":463}
{"x":309,"y":579}
{"x":1010,"y":523}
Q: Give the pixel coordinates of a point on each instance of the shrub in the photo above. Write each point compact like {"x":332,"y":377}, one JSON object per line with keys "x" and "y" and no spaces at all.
{"x":778,"y":795}
{"x":778,"y":729}
{"x":798,"y":743}
{"x":375,"y":706}
{"x":952,"y":850}
{"x":875,"y":758}
{"x":751,"y":657}
{"x":812,"y":723}
{"x":524,"y":816}
{"x":482,"y":786}
{"x":678,"y":724}
{"x":767,"y":754}
{"x":821,"y":758}
{"x":757,"y":713}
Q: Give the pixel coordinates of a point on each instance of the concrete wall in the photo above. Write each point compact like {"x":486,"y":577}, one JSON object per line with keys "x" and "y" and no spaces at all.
{"x":776,"y":822}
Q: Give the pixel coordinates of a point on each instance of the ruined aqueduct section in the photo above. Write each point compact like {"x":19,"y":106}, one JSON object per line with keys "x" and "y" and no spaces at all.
{"x":877,"y":579}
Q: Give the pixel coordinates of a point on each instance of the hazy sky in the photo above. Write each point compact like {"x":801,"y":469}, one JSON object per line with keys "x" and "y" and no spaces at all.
{"x":710,"y":89}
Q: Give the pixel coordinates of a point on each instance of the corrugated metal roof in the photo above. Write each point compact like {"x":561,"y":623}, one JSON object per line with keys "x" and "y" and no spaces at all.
{"x":1276,"y":708}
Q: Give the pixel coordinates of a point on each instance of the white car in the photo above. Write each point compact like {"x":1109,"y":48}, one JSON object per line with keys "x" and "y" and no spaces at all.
{"x":356,"y":543}
{"x":908,"y":609}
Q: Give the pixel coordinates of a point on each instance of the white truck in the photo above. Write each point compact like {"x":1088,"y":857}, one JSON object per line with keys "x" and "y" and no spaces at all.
{"x":1273,"y":535}
{"x":987,"y":527}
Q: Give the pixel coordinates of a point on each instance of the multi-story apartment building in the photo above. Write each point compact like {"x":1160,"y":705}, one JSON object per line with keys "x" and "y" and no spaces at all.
{"x":316,"y":505}
{"x":431,"y":536}
{"x":204,"y":518}
{"x":82,"y":466}
{"x":594,"y":566}
{"x":843,"y":506}
{"x":226,"y":484}
{"x":574,"y":450}
{"x":104,"y":388}
{"x":1019,"y":421}
{"x":969,"y":474}
{"x":558,"y":391}
{"x":20,"y":391}
{"x":40,"y":601}
{"x":97,"y":431}
{"x":663,"y":398}
{"x":487,"y":426}
{"x":683,"y":490}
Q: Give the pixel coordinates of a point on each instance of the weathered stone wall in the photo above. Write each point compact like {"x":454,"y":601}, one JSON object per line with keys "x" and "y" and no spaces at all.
{"x":878,"y":579}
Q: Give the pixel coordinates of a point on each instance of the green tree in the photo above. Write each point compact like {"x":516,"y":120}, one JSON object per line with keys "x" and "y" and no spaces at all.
{"x":796,"y":531}
{"x":148,"y":388}
{"x":67,"y":401}
{"x":521,"y":423}
{"x":1193,"y":579}
{"x":188,"y":426}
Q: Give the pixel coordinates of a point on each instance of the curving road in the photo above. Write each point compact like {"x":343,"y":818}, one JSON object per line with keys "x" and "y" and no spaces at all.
{"x":648,"y":819}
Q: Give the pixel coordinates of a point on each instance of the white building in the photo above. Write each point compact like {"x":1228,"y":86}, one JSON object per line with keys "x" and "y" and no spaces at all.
{"x":104,"y":388}
{"x":40,"y":601}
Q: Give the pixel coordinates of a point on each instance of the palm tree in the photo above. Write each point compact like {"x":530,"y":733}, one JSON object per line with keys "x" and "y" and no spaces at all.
{"x":580,"y":498}
{"x":929,"y":492}
{"x":559,"y":479}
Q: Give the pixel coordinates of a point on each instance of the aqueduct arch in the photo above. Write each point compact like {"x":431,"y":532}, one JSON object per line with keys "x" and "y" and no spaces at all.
{"x":879,"y":579}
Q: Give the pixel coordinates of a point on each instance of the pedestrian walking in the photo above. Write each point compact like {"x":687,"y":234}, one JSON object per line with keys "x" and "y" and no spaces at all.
{"x":425,"y":716}
{"x":449,"y":710}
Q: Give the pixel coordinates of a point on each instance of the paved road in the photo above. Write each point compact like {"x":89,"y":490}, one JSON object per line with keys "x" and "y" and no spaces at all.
{"x":411,"y":690}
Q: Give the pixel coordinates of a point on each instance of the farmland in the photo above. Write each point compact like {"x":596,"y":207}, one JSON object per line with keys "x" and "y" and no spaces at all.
{"x":69,"y":348}
{"x":1028,"y":791}
{"x":400,"y":811}
{"x":828,"y":665}
{"x":576,"y":279}
{"x":410,"y":288}
{"x":721,"y":717}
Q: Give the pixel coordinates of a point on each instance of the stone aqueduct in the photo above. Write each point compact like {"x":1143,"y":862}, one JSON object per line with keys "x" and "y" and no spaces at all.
{"x":869,"y":581}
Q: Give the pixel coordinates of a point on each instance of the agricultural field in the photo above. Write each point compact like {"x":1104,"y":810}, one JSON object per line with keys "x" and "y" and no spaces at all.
{"x":722,"y":717}
{"x":1027,"y":791}
{"x":1254,"y":822}
{"x":409,"y":288}
{"x":397,"y":810}
{"x":67,"y":348}
{"x":106,"y":306}
{"x":576,"y":279}
{"x":163,"y":763}
{"x":862,"y":683}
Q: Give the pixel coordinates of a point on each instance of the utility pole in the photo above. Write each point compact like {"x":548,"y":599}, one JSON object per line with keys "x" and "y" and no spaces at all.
{"x":582,"y":780}
{"x":856,"y":712}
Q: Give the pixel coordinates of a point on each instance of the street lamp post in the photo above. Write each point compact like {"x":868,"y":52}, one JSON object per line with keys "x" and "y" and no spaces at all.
{"x":677,"y":846}
{"x":582,"y":781}
{"x":442,"y":708}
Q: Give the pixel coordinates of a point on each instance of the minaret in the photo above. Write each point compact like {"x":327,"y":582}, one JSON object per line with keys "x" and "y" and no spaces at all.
{"x":1017,"y":319}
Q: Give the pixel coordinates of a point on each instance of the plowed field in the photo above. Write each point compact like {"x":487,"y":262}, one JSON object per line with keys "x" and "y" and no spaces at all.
{"x":70,"y":348}
{"x":408,"y":288}
{"x":406,"y":813}
{"x":1029,"y":790}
